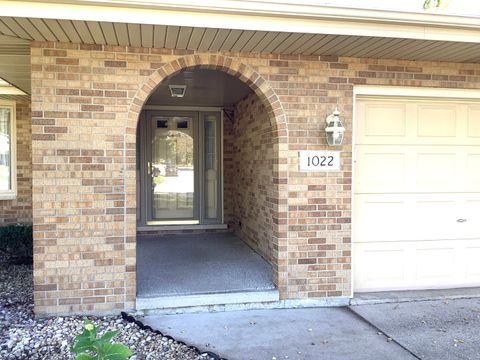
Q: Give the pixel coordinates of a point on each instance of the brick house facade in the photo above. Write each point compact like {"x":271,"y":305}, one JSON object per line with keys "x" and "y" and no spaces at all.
{"x":85,"y":104}
{"x":407,"y":88}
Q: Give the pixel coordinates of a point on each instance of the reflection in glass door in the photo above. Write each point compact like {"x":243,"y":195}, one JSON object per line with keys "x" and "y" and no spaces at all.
{"x":172,"y":168}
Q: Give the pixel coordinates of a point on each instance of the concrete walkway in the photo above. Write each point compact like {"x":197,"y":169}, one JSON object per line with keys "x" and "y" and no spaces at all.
{"x":306,"y":334}
{"x":433,"y":330}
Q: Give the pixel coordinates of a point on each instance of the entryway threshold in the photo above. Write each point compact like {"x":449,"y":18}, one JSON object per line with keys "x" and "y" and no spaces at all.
{"x":179,"y":303}
{"x":183,"y":227}
{"x":385,"y":297}
{"x":235,"y":301}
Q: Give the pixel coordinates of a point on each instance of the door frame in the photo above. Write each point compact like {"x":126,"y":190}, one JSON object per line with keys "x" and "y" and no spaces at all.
{"x":386,"y":92}
{"x":143,"y":219}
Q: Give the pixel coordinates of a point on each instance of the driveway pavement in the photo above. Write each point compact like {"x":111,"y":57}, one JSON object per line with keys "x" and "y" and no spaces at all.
{"x":306,"y":334}
{"x":427,"y":330}
{"x":432,"y":330}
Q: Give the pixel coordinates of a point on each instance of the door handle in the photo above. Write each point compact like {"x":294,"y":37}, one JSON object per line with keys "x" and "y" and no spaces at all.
{"x":149,"y":167}
{"x":461,"y":220}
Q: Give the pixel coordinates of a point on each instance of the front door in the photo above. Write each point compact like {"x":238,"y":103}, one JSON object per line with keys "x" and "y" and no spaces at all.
{"x":181,"y":167}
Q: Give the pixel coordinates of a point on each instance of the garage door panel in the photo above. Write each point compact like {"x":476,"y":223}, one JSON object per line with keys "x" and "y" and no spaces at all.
{"x":417,"y":265}
{"x":411,"y":217}
{"x":383,"y":266}
{"x":473,"y":121}
{"x":447,"y":263}
{"x":433,"y":219}
{"x":468,"y":218}
{"x":381,"y":214}
{"x":383,"y":171}
{"x":385,"y":120}
{"x":416,"y":220}
{"x":436,"y":120}
{"x":431,"y":171}
{"x":413,"y":123}
{"x":434,"y":264}
{"x":382,"y":218}
{"x":419,"y":169}
{"x":472,"y":178}
{"x":472,"y":263}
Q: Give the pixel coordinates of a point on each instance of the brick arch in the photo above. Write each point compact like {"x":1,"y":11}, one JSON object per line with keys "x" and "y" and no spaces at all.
{"x":277,"y":117}
{"x":226,"y":64}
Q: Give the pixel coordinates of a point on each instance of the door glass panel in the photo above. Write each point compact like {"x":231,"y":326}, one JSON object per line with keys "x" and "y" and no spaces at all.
{"x":172,"y":168}
{"x":211,"y":167}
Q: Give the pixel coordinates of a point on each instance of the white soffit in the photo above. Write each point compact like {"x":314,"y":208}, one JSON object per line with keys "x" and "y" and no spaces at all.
{"x":8,"y":89}
{"x":260,"y":26}
{"x":15,"y":63}
{"x":214,"y":39}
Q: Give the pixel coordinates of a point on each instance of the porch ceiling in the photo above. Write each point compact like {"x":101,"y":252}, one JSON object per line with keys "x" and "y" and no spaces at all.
{"x":15,"y":62}
{"x":13,"y":97}
{"x":15,"y":33}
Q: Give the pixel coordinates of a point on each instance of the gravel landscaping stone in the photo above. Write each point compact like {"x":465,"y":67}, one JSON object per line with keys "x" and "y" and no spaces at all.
{"x":24,"y":337}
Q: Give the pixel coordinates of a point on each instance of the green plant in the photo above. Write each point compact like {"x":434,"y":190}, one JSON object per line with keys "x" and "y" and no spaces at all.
{"x":16,"y":241}
{"x":89,"y":347}
{"x":432,"y":3}
{"x":158,"y":179}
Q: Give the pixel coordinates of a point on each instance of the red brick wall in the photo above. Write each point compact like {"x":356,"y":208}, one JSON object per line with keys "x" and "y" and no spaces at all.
{"x":19,"y":210}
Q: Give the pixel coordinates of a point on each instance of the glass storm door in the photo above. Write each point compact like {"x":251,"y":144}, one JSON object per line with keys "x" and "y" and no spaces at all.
{"x":182,"y":166}
{"x":171,"y":167}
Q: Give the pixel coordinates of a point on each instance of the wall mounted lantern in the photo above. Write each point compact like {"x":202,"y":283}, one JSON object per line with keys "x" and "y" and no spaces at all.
{"x":334,"y":130}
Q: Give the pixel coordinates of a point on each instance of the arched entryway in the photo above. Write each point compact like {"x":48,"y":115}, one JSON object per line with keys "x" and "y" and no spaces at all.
{"x":250,"y":125}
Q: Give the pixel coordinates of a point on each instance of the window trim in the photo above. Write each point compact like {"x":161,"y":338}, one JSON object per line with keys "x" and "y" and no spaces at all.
{"x":12,"y":193}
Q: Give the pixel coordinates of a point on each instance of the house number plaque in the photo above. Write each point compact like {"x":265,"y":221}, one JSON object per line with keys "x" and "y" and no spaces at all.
{"x":319,"y":160}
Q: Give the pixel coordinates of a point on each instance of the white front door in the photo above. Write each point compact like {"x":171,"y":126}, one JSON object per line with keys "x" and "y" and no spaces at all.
{"x":417,"y":194}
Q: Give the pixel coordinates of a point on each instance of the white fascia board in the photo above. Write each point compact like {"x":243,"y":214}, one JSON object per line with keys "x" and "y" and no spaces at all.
{"x":286,"y":8}
{"x":258,"y":15}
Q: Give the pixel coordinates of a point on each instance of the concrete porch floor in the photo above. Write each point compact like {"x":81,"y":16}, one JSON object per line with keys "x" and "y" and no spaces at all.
{"x":208,"y":263}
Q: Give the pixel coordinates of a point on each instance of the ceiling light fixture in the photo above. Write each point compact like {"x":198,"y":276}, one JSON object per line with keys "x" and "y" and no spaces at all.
{"x":177,"y":90}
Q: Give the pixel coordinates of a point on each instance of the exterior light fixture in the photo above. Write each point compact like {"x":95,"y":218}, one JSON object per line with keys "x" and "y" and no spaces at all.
{"x":177,"y":90}
{"x":334,"y":131}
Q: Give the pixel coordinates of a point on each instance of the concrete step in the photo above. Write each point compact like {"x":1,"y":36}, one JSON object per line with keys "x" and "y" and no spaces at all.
{"x":205,"y":302}
{"x":233,"y":301}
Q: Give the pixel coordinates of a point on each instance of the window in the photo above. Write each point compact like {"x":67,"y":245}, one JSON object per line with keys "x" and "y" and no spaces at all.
{"x":8,"y":188}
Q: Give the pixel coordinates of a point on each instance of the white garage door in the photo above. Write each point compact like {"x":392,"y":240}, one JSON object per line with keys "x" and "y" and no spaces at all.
{"x":417,"y":194}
